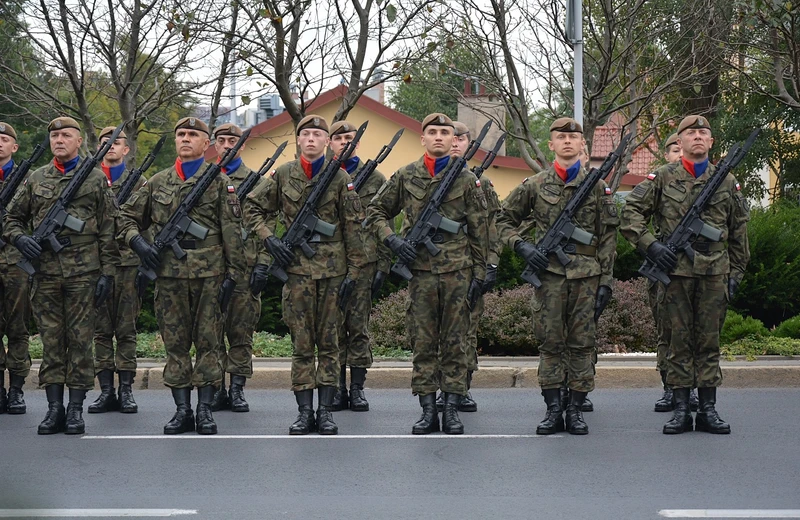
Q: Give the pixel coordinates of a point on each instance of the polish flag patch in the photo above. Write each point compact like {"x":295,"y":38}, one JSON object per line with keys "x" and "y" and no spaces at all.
{"x":738,"y":187}
{"x":491,"y":183}
{"x":651,"y":176}
{"x":109,"y":182}
{"x":350,"y":186}
{"x":607,"y":190}
{"x":272,"y":173}
{"x":231,"y":189}
{"x":145,"y":184}
{"x":478,"y":183}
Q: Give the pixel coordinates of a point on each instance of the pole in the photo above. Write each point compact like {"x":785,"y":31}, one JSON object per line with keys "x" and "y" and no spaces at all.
{"x":578,"y":58}
{"x":233,"y":96}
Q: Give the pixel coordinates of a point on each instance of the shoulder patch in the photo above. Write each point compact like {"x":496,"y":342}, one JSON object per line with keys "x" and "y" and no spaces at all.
{"x":231,"y":188}
{"x":607,"y":190}
{"x":478,"y":183}
{"x":525,"y":180}
{"x":738,"y":187}
{"x":350,"y":186}
{"x":491,"y":183}
{"x":272,"y":173}
{"x":108,"y":181}
{"x":144,"y":184}
{"x":652,"y":176}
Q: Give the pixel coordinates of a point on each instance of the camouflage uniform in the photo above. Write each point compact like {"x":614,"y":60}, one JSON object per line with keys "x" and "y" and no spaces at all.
{"x":186,"y":290}
{"x":563,"y":307}
{"x":438,"y":317}
{"x":62,"y":292}
{"x":309,"y":296}
{"x":693,"y":305}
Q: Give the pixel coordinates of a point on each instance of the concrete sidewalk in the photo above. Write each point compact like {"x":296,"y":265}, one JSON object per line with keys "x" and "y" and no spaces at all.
{"x":508,"y":372}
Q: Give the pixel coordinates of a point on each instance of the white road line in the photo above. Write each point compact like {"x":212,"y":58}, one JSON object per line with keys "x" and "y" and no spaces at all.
{"x":730,"y":513}
{"x":98,"y":513}
{"x":312,"y":437}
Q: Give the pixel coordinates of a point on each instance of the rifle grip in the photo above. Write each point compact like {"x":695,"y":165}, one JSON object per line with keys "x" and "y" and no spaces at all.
{"x":276,"y":271}
{"x":27,"y":266}
{"x":652,"y":272}
{"x":402,"y":271}
{"x":177,"y":250}
{"x":431,"y":247}
{"x":308,"y":251}
{"x":563,"y":259}
{"x":529,"y":275}
{"x":54,"y":243}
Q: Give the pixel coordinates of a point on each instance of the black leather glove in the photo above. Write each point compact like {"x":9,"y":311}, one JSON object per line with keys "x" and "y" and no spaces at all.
{"x":399,"y":246}
{"x":147,"y":253}
{"x":474,"y":292}
{"x":601,"y":300}
{"x":258,"y":278}
{"x":491,"y":278}
{"x":733,"y":285}
{"x":226,"y":293}
{"x":279,"y":251}
{"x":345,"y":290}
{"x":662,"y":256}
{"x":537,"y":260}
{"x":377,"y":283}
{"x":28,"y":247}
{"x":105,"y":284}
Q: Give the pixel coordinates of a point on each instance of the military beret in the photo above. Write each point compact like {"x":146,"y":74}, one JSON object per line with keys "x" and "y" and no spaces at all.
{"x":673,"y":139}
{"x":693,"y":122}
{"x":312,"y":121}
{"x":436,"y":119}
{"x":460,"y":128}
{"x":192,"y":123}
{"x":107,"y":131}
{"x":8,"y":130}
{"x":227,"y":129}
{"x":60,"y":123}
{"x":342,"y":127}
{"x":566,"y":124}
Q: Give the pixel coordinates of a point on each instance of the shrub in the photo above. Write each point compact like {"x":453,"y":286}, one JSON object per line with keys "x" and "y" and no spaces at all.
{"x":737,"y":327}
{"x":789,"y":328}
{"x":753,"y":346}
{"x":387,"y":324}
{"x":628,"y":261}
{"x":627,"y":323}
{"x":506,"y":327}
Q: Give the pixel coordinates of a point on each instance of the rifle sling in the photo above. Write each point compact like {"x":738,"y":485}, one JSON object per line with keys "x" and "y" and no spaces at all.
{"x":76,"y":240}
{"x":210,"y":241}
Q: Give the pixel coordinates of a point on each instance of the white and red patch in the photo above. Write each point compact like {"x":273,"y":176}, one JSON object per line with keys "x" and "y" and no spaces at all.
{"x":350,"y":186}
{"x":231,"y":188}
{"x":272,"y":173}
{"x":478,"y":183}
{"x":651,"y":176}
{"x":607,"y":190}
{"x":491,"y":183}
{"x":109,"y":182}
{"x":145,"y":184}
{"x":738,"y":187}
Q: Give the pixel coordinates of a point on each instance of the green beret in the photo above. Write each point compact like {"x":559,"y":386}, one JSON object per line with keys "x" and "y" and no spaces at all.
{"x":566,"y":124}
{"x":192,"y":123}
{"x":312,"y":121}
{"x":227,"y":129}
{"x":460,"y":128}
{"x":60,"y":123}
{"x":436,"y":119}
{"x":107,"y":131}
{"x":8,"y":130}
{"x":693,"y":122}
{"x":673,"y":139}
{"x":342,"y":127}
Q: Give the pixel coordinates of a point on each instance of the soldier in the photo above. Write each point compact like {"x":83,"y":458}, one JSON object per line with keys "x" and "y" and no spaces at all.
{"x":14,"y":302}
{"x":68,"y":286}
{"x":310,"y":306}
{"x":188,"y":291}
{"x":354,"y":343}
{"x":695,"y":301}
{"x":244,"y":308}
{"x":437,"y":318}
{"x":565,"y":305}
{"x":118,"y":316}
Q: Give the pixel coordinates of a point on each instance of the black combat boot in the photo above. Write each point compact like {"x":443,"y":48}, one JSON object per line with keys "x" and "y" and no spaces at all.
{"x":358,"y":402}
{"x":183,"y":420}
{"x":236,"y":395}
{"x":429,"y":422}
{"x":564,"y":396}
{"x":665,"y":404}
{"x":325,"y":424}
{"x":440,"y":401}
{"x":574,"y":423}
{"x":340,"y":399}
{"x":204,"y":420}
{"x":16,"y":401}
{"x":708,"y":419}
{"x":587,"y":405}
{"x":467,"y":403}
{"x":681,"y":414}
{"x":554,"y":419}
{"x":305,"y":422}
{"x":694,"y":402}
{"x":126,"y":402}
{"x":107,"y":400}
{"x":55,"y":419}
{"x":451,"y":424}
{"x":220,"y":399}
{"x":75,"y":424}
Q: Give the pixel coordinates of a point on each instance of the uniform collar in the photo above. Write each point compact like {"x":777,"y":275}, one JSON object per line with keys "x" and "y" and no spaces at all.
{"x":435,"y":165}
{"x":6,"y":169}
{"x":186,"y":170}
{"x":68,"y":166}
{"x":696,"y":169}
{"x":232,"y":166}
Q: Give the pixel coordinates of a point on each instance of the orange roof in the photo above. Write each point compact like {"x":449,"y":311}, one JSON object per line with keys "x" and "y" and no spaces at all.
{"x":607,"y":137}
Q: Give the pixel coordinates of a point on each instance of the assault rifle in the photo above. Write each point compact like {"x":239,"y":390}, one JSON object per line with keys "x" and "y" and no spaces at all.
{"x":366,"y":170}
{"x":127,"y":186}
{"x":180,"y":223}
{"x":564,"y":228}
{"x":489,"y":159}
{"x":250,"y":182}
{"x":16,"y":177}
{"x":691,"y":226}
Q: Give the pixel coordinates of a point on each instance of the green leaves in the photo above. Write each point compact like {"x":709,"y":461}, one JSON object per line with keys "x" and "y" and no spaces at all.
{"x":391,"y":13}
{"x":246,"y":99}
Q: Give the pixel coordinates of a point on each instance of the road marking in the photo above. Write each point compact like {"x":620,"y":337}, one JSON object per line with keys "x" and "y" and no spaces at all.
{"x":101,"y":513}
{"x":311,"y":437}
{"x":730,"y":513}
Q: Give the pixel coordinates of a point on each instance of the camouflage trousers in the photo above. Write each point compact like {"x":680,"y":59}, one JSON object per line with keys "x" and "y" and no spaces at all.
{"x":65,"y":315}
{"x":437,"y":320}
{"x":472,"y":335}
{"x":563,"y":323}
{"x":314,"y":319}
{"x":15,"y":311}
{"x":188,"y":313}
{"x":662,"y":346}
{"x":354,"y":344}
{"x":241,"y":320}
{"x":695,"y":310}
{"x":117,"y":318}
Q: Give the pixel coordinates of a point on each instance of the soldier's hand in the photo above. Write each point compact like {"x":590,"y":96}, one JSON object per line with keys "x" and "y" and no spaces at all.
{"x":399,"y":246}
{"x":535,"y":258}
{"x":377,"y":283}
{"x":601,"y":300}
{"x":733,"y":285}
{"x":279,"y":251}
{"x":258,"y":278}
{"x":226,"y":293}
{"x":491,"y":278}
{"x":28,"y":247}
{"x":345,"y":291}
{"x":475,"y":291}
{"x":105,"y":284}
{"x":147,"y":253}
{"x":662,"y":256}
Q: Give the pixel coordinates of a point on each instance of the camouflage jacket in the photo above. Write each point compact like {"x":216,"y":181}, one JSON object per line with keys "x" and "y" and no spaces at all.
{"x":493,"y":205}
{"x":92,"y":250}
{"x":153,"y":204}
{"x":666,"y":196}
{"x":408,"y":190}
{"x":375,"y":250}
{"x":127,"y":257}
{"x":542,"y":197}
{"x":10,"y":255}
{"x":250,"y":250}
{"x":283,"y":193}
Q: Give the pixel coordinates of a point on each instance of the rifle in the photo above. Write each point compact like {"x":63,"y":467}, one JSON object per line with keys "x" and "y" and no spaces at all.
{"x":366,"y":170}
{"x":127,"y":186}
{"x":250,"y":182}
{"x":691,"y":226}
{"x":564,"y":228}
{"x":430,"y":220}
{"x":487,"y":161}
{"x":307,"y":226}
{"x":180,"y":223}
{"x":16,"y":177}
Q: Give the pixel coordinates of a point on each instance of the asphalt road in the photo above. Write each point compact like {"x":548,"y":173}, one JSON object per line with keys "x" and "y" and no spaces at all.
{"x":624,"y":469}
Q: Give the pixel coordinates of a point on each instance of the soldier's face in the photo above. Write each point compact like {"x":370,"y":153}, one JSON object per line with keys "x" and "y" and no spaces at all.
{"x":696,"y":143}
{"x":116,"y":154}
{"x":460,"y":143}
{"x":437,"y":140}
{"x":8,"y":147}
{"x":566,"y":145}
{"x":191,"y":144}
{"x":64,"y":143}
{"x":339,"y":141}
{"x":312,"y":142}
{"x":673,"y":153}
{"x":223,"y":143}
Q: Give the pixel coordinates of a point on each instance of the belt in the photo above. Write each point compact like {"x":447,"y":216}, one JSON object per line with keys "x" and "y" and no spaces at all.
{"x":580,"y":249}
{"x":211,"y":240}
{"x":77,"y":240}
{"x":708,"y":247}
{"x":444,"y":236}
